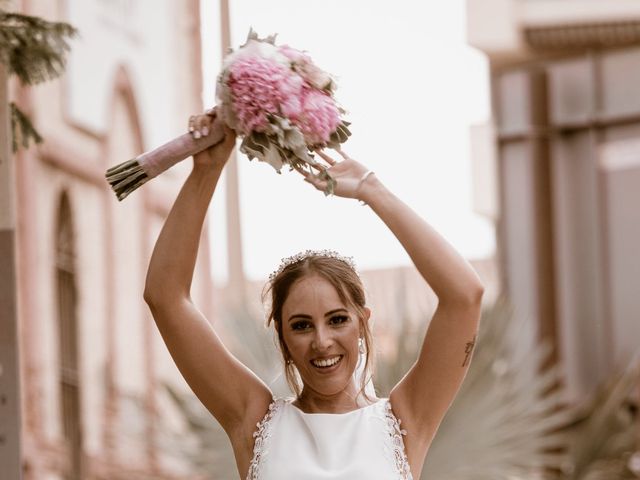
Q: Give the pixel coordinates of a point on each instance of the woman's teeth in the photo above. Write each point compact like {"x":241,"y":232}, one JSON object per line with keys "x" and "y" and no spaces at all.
{"x":326,"y":363}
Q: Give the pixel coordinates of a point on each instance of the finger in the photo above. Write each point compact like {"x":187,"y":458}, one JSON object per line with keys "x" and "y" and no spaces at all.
{"x":327,"y":158}
{"x":207,"y":122}
{"x":200,"y":124}
{"x":191,"y":124}
{"x":317,"y":183}
{"x":341,"y":152}
{"x":300,"y":170}
{"x":309,"y":177}
{"x":318,"y":166}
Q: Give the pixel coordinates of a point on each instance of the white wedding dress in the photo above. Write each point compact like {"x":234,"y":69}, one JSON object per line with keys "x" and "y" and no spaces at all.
{"x":364,"y":444}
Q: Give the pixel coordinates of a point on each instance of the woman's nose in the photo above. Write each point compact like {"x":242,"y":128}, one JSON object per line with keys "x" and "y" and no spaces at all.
{"x":321,"y":340}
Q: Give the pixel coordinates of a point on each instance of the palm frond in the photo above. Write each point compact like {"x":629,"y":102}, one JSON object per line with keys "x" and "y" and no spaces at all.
{"x":23,"y":131}
{"x":206,"y":448}
{"x":604,"y":436}
{"x":507,"y":420}
{"x":32,"y":48}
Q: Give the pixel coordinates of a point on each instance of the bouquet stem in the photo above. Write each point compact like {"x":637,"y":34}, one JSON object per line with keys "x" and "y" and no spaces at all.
{"x":128,"y":176}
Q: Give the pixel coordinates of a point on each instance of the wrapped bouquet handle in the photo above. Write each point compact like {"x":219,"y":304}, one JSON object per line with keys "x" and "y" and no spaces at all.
{"x":130,"y":175}
{"x":274,"y":98}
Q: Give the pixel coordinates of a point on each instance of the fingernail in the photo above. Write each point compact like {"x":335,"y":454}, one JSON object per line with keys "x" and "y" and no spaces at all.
{"x":191,"y":128}
{"x":197,"y":134}
{"x":205,"y":131}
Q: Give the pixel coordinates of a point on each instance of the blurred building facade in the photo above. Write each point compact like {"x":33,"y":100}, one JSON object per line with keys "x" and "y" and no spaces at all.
{"x":93,"y":364}
{"x":558,"y":169}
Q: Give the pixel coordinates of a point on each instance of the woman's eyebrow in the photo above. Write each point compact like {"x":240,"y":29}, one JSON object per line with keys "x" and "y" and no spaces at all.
{"x":299,"y":315}
{"x":308,"y":317}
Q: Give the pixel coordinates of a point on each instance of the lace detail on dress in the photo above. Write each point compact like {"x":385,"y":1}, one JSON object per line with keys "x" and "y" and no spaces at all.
{"x":395,"y":432}
{"x":261,"y":435}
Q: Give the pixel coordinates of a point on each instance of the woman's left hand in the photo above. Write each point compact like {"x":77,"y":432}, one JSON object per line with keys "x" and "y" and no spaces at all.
{"x":349,"y":176}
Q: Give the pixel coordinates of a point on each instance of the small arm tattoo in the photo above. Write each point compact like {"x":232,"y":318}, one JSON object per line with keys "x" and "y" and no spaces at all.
{"x":468,"y":349}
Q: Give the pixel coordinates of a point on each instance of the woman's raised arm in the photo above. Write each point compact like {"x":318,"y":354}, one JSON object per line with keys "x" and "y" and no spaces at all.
{"x":425,"y":393}
{"x":229,"y":390}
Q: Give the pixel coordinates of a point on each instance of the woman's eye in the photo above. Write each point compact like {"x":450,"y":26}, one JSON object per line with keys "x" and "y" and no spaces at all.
{"x":339,"y":319}
{"x":300,"y":325}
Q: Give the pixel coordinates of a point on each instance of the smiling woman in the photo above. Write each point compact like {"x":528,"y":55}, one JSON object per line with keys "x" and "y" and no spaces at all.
{"x":319,"y":311}
{"x":333,"y":427}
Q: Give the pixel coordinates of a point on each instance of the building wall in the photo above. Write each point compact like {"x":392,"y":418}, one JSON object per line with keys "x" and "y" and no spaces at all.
{"x":132,"y":80}
{"x":566,"y":117}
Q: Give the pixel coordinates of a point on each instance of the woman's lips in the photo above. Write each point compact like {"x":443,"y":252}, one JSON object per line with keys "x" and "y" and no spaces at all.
{"x":327,"y":364}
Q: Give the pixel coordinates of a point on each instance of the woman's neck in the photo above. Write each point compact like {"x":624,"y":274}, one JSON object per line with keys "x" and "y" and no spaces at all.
{"x":342,"y":402}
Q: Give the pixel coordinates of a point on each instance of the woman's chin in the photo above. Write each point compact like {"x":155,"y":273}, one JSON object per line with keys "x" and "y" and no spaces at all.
{"x":330,"y":382}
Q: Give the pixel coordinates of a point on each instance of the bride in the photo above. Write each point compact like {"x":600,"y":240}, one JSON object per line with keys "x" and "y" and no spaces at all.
{"x":332,"y":428}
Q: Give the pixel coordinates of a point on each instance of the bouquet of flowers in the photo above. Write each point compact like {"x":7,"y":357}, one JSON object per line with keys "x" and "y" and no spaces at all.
{"x":275,"y":98}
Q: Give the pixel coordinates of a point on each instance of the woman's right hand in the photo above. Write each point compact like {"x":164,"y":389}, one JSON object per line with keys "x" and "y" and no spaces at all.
{"x":216,"y":155}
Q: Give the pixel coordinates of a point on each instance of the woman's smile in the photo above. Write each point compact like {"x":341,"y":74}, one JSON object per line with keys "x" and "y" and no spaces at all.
{"x":327,"y":364}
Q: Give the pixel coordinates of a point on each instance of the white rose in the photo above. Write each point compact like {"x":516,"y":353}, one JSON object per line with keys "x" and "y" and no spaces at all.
{"x":256,"y":48}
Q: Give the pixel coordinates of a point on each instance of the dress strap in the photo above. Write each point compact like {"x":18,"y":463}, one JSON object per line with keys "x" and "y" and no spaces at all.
{"x":261,"y":435}
{"x":397,"y":443}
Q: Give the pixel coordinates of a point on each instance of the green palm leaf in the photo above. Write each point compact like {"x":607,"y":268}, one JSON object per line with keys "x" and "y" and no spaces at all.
{"x":507,"y":419}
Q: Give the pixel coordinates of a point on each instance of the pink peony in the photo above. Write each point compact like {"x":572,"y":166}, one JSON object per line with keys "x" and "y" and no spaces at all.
{"x":304,"y":66}
{"x":320,"y":116}
{"x":259,"y":87}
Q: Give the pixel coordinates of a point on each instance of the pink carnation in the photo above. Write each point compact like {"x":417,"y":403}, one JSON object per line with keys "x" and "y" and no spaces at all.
{"x":320,"y":116}
{"x":259,"y":87}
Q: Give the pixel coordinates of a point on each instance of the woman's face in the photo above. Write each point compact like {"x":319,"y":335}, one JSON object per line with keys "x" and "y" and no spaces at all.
{"x":321,"y":334}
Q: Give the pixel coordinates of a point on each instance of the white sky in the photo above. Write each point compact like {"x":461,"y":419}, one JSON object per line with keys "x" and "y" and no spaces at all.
{"x":412,"y":88}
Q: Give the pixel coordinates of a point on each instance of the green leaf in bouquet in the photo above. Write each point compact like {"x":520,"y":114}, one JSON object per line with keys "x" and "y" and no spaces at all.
{"x":254,"y":145}
{"x":289,"y":137}
{"x":272,"y":157}
{"x":343,"y":131}
{"x":259,"y":145}
{"x":253,"y":35}
{"x":330,"y":88}
{"x":288,"y":156}
{"x":341,"y":135}
{"x":278,"y":127}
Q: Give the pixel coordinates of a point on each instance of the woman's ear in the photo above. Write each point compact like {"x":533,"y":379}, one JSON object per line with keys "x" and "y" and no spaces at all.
{"x":367,"y":315}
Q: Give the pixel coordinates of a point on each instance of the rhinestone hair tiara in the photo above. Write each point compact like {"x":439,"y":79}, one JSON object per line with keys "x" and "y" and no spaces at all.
{"x":299,"y":257}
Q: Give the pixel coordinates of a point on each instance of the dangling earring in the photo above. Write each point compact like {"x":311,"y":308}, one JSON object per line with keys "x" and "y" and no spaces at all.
{"x":361,"y":346}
